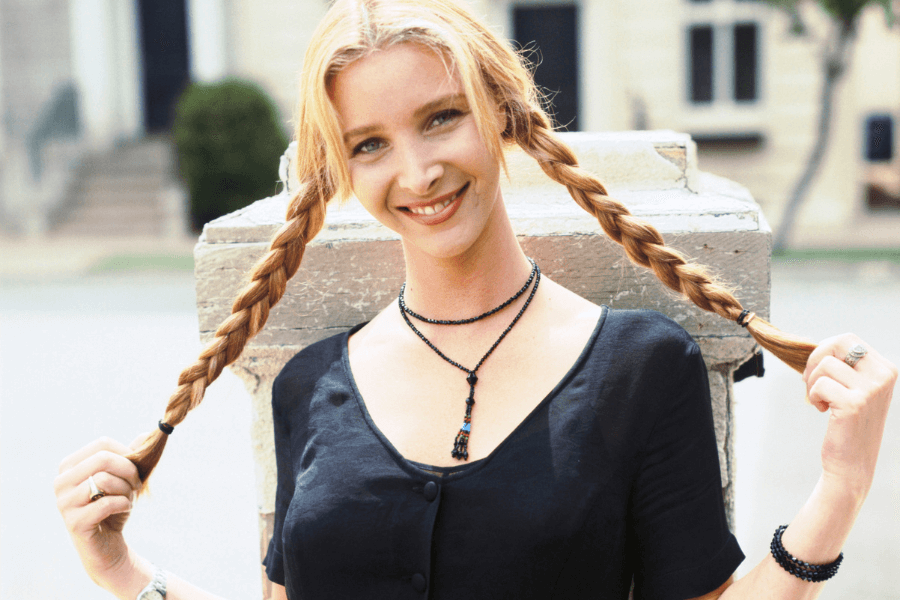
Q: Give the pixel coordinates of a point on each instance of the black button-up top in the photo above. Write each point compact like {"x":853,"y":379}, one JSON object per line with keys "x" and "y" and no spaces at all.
{"x":613,"y":477}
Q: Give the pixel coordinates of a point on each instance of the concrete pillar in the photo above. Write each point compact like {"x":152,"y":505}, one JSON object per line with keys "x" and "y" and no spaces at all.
{"x":355,"y":267}
{"x":106,"y":65}
{"x":207,"y":33}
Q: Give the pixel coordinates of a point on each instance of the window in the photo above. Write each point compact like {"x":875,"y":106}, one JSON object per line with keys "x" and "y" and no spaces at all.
{"x":745,"y":57}
{"x":552,"y":32}
{"x":701,"y":63}
{"x":879,"y":138}
{"x":723,"y":52}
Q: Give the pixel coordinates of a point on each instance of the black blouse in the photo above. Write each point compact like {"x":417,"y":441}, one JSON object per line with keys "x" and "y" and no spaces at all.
{"x":613,"y":477}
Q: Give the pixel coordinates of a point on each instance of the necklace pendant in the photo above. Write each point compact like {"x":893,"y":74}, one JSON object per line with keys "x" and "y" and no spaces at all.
{"x":461,"y":444}
{"x":472,"y":379}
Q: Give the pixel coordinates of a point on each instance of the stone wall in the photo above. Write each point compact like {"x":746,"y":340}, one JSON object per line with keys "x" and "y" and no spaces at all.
{"x":354,"y":268}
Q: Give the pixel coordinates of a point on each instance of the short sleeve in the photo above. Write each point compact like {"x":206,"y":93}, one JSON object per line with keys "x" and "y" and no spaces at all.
{"x":274,"y":560}
{"x":683,"y":546}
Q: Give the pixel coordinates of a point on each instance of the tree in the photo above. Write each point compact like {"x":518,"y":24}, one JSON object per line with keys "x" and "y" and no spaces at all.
{"x":837,"y":49}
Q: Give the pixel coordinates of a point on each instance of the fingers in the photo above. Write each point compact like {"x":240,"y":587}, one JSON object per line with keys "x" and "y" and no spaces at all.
{"x":80,"y":495}
{"x":826,"y":388}
{"x":832,"y":383}
{"x":94,"y":447}
{"x":104,"y":455}
{"x":112,"y":473}
{"x":835,"y":347}
{"x":84,"y":519}
{"x":838,"y":347}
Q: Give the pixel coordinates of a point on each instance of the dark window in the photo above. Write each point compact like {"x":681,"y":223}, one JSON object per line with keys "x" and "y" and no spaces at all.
{"x":745,"y":61}
{"x":879,"y":138}
{"x":164,"y":49}
{"x":552,"y":32}
{"x":701,"y":62}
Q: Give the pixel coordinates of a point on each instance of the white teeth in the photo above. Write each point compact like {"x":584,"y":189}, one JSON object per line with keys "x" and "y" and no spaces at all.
{"x":436,"y":208}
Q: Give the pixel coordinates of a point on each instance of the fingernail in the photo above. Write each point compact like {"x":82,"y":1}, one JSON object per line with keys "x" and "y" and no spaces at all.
{"x":806,"y":399}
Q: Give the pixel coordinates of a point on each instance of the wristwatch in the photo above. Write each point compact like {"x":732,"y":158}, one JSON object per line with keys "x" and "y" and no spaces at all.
{"x":156,"y":589}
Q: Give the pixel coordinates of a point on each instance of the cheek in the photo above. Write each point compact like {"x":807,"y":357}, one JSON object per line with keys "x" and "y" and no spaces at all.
{"x":369,"y":186}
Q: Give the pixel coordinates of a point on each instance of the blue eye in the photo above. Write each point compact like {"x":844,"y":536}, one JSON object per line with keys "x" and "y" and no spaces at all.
{"x":444,"y":117}
{"x":369,"y":146}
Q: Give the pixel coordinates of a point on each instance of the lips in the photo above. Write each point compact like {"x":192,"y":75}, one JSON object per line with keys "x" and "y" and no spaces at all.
{"x":439,"y":210}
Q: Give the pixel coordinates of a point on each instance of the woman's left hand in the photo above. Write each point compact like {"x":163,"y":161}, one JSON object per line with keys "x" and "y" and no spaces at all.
{"x":858,"y":398}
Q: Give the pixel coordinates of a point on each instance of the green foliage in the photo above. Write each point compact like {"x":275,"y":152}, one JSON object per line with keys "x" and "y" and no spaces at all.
{"x":843,"y":11}
{"x":229,"y":142}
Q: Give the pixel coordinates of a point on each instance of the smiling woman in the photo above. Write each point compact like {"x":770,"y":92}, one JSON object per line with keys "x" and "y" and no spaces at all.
{"x":585,"y":462}
{"x":417,"y":160}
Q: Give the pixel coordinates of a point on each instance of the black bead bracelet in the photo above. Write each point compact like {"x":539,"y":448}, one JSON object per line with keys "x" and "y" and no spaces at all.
{"x":799,"y":568}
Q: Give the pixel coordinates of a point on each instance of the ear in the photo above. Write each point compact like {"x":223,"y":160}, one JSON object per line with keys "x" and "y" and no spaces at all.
{"x":504,"y":125}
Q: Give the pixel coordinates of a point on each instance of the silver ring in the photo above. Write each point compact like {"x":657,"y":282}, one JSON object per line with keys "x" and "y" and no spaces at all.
{"x":96,"y":493}
{"x":855,"y":354}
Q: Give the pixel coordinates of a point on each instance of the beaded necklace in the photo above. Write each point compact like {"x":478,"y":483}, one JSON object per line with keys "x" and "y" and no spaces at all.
{"x":461,"y":444}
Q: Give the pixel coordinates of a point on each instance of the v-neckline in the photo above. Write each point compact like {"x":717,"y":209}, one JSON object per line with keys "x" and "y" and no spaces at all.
{"x":416,"y":468}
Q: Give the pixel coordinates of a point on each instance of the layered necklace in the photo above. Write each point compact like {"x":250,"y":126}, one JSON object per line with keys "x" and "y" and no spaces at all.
{"x":461,"y":444}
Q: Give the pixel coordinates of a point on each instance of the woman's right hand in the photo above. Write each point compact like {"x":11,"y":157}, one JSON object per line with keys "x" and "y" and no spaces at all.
{"x":96,"y":526}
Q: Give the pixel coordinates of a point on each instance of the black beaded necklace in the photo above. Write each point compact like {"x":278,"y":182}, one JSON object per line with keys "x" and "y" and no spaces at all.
{"x":461,"y":444}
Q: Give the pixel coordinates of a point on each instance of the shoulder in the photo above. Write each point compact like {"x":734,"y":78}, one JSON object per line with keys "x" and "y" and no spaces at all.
{"x":656,"y":375}
{"x":648,"y":335}
{"x":307,"y":366}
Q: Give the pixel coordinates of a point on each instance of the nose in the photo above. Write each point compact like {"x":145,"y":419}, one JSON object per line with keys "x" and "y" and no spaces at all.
{"x":419,"y":171}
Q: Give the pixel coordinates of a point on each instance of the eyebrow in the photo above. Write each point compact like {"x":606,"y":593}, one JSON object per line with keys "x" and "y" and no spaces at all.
{"x":426,"y":108}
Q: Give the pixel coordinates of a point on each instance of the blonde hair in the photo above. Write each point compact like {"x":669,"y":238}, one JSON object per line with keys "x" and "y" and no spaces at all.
{"x":494,"y":78}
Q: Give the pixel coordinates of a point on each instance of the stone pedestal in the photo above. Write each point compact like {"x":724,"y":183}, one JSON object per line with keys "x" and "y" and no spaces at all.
{"x":354,"y":268}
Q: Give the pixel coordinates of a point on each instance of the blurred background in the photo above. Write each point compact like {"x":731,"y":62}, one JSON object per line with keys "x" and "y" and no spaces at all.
{"x":127,"y":124}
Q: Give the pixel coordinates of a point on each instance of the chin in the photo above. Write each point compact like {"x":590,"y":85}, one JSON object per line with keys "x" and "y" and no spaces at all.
{"x":442,"y":251}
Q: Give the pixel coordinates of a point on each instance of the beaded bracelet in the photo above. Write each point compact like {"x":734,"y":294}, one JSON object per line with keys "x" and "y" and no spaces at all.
{"x":799,"y":568}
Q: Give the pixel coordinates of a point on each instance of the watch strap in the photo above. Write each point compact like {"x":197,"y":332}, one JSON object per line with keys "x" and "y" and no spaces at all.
{"x":157,"y":584}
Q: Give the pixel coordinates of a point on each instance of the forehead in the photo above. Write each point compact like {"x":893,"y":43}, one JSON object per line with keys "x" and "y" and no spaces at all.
{"x":388,"y":84}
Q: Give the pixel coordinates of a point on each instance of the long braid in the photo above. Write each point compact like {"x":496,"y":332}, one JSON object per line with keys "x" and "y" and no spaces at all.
{"x":268,"y":281}
{"x":642,"y":242}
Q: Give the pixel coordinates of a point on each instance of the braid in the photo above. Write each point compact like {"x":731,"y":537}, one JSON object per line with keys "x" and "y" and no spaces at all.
{"x":643,"y":244}
{"x":268,"y":280}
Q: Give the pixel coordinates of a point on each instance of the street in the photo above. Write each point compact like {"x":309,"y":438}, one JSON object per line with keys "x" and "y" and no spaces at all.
{"x":94,"y":355}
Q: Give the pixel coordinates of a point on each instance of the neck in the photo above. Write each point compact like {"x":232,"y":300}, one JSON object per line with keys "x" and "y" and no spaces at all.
{"x":462,"y":286}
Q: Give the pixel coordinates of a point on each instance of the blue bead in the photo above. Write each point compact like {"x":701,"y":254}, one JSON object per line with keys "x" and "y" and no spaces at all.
{"x":467,"y":427}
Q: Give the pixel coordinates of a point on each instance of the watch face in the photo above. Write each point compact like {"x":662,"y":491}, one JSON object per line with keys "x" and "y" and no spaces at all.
{"x":151,"y":595}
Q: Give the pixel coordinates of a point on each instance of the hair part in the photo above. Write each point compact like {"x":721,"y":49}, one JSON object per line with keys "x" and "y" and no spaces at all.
{"x":494,"y":78}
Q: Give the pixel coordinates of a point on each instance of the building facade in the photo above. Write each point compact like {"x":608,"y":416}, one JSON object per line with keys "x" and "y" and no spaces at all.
{"x":80,"y":76}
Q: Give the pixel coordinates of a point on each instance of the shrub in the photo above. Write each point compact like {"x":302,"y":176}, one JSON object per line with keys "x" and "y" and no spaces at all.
{"x":228,"y":141}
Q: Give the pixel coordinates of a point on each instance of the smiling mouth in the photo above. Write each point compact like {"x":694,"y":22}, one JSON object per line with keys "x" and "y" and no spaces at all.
{"x":433,"y":209}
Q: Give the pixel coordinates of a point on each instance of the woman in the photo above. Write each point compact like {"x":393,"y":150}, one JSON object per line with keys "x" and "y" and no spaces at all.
{"x":490,"y":434}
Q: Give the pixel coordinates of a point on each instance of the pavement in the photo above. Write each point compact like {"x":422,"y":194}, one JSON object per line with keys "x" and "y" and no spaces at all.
{"x":94,"y":331}
{"x":56,"y":257}
{"x":869,"y":229}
